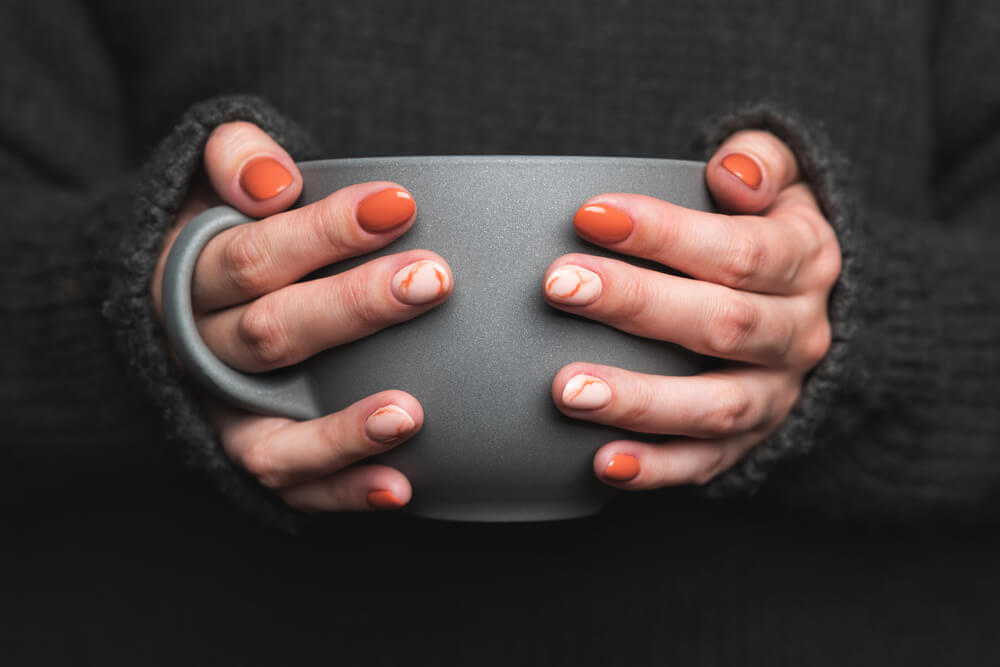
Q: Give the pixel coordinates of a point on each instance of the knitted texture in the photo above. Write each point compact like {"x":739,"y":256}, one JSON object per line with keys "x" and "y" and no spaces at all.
{"x":825,"y":170}
{"x":898,"y":98}
{"x":129,"y":308}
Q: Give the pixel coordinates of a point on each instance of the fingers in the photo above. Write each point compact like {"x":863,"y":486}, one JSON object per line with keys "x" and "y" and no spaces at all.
{"x":250,"y":171}
{"x":295,"y":322}
{"x":639,"y":466}
{"x":259,"y":257}
{"x":753,"y":253}
{"x":720,"y":414}
{"x":288,"y":456}
{"x":711,"y":405}
{"x":748,"y":171}
{"x":355,"y":489}
{"x":704,"y":317}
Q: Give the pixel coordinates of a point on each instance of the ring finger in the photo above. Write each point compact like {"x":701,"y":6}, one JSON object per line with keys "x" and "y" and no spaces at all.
{"x":704,"y":317}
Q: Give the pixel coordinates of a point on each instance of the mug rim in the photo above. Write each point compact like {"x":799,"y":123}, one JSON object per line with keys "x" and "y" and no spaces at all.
{"x":500,"y":158}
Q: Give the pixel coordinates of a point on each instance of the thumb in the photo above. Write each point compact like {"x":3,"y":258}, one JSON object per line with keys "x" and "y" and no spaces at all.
{"x":749,"y":170}
{"x":250,"y":171}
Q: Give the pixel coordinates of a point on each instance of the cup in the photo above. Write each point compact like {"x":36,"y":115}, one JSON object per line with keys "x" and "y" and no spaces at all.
{"x":493,"y":446}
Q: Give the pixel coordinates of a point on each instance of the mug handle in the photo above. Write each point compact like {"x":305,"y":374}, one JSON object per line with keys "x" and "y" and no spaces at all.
{"x":286,"y":392}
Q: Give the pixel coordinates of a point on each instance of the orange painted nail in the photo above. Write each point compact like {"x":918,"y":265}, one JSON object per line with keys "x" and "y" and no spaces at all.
{"x":384,"y":500}
{"x":385,"y":210}
{"x":744,"y":168}
{"x":264,"y":177}
{"x":602,"y":223}
{"x":622,"y":468}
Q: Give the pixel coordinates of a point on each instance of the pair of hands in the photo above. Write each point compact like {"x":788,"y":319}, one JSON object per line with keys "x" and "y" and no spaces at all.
{"x":760,"y":276}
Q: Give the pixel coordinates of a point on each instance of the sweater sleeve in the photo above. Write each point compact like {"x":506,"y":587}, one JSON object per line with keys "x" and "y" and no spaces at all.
{"x":902,"y":418}
{"x":84,"y":222}
{"x":154,"y":202}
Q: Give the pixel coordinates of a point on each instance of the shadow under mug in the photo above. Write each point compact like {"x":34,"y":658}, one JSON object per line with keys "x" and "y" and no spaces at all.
{"x":493,"y":446}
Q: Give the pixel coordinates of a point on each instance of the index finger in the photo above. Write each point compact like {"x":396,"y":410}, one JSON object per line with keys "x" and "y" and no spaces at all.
{"x":755,"y":253}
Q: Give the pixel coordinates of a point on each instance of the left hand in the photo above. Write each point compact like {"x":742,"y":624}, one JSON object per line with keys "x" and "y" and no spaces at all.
{"x":760,"y":276}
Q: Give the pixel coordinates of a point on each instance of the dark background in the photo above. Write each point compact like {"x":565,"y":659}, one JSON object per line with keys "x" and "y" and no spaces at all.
{"x":140,"y":570}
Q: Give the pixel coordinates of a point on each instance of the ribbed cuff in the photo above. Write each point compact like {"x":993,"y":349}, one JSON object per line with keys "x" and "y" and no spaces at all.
{"x":826,"y":173}
{"x":162,"y":188}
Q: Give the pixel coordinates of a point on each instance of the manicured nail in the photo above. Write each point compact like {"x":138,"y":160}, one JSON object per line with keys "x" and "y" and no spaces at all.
{"x":264,"y":177}
{"x":602,"y":223}
{"x":386,"y":209}
{"x":420,"y":282}
{"x":585,"y":392}
{"x":388,"y":423}
{"x":622,"y":468}
{"x":573,"y":285}
{"x":384,"y":500}
{"x":744,"y":168}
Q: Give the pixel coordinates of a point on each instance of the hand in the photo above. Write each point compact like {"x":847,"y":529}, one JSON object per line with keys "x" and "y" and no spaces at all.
{"x":757,"y":296}
{"x":255,"y":317}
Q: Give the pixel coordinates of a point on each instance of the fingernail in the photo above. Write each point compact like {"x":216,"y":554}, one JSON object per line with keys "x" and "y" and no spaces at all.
{"x":264,"y":177}
{"x":384,"y":500}
{"x":744,"y":168}
{"x":602,"y":223}
{"x":573,"y":285}
{"x":585,"y":392}
{"x":622,"y":468}
{"x":385,"y":210}
{"x":420,"y":282}
{"x":388,"y":423}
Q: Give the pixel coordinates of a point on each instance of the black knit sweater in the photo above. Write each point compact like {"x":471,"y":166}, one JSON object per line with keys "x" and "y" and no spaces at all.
{"x":891,"y":108}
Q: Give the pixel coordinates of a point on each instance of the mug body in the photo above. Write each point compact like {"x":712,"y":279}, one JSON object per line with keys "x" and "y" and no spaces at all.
{"x":493,"y":446}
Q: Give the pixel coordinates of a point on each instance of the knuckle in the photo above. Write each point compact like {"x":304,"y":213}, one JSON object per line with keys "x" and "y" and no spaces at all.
{"x":732,"y":406}
{"x":816,"y":345}
{"x":714,"y":465}
{"x":746,"y":259}
{"x":329,"y":222}
{"x":734,"y":323}
{"x":247,"y":264}
{"x":359,"y":302}
{"x":636,"y":413}
{"x":259,"y":462}
{"x":261,"y":331}
{"x":634,"y":298}
{"x":829,"y":263}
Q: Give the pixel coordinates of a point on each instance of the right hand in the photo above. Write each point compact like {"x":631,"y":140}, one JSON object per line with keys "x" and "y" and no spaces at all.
{"x":254,"y":316}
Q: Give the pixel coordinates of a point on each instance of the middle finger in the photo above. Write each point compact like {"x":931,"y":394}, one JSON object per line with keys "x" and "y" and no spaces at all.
{"x":298,"y":321}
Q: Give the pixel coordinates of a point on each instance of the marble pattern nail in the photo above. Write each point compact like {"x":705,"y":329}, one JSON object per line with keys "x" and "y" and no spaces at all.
{"x":573,"y":285}
{"x":388,"y":423}
{"x":586,"y":392}
{"x":421,"y":282}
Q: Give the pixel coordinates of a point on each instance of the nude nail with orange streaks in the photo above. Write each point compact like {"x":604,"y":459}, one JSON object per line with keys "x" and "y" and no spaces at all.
{"x":586,"y":392}
{"x":388,"y":423}
{"x":573,"y":285}
{"x":421,"y":282}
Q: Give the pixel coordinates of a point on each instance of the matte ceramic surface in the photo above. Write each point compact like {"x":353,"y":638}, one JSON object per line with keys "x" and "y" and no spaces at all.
{"x":493,"y":446}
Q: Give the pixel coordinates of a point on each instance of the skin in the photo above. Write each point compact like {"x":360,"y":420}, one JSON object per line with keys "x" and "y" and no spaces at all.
{"x":761,"y":274}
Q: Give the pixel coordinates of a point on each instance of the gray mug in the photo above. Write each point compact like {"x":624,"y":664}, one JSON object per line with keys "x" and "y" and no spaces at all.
{"x":493,"y":446}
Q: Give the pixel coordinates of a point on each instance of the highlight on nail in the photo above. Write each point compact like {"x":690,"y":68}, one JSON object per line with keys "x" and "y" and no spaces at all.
{"x":573,"y":285}
{"x":586,"y":392}
{"x":622,"y":468}
{"x":385,"y":209}
{"x":264,"y":177}
{"x":421,"y":282}
{"x":743,"y":167}
{"x":602,"y":223}
{"x":388,"y":423}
